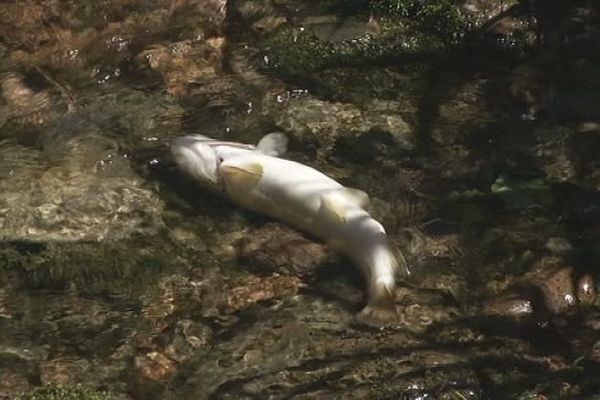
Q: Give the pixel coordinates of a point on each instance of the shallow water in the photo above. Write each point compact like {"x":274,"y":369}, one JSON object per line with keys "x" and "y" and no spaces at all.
{"x":480,"y":158}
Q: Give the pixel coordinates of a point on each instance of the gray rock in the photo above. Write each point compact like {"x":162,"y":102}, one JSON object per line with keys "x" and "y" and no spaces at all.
{"x":558,"y":245}
{"x":322,"y":123}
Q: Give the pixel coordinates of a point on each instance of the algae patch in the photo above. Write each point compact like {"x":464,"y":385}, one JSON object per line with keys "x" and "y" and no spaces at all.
{"x":65,"y":392}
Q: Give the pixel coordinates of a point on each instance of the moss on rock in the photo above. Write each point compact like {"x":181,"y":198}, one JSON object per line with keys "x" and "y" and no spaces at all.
{"x":65,"y":392}
{"x":298,"y":52}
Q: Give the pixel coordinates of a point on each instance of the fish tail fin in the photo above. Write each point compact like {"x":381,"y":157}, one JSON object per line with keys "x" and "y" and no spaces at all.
{"x":386,"y":263}
{"x":381,"y":310}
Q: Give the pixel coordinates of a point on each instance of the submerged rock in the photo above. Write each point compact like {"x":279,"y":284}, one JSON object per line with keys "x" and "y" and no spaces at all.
{"x":323,"y":124}
{"x":65,"y":202}
{"x":23,"y":103}
{"x":154,"y":366}
{"x":92,"y":43}
{"x":510,"y":305}
{"x":255,"y":289}
{"x":552,"y":285}
{"x":62,"y":371}
{"x":274,"y":247}
{"x":562,"y":287}
{"x":184,"y":63}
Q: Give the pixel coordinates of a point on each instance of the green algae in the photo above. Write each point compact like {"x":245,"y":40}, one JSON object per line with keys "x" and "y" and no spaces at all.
{"x":65,"y":392}
{"x":84,"y":264}
{"x":298,"y":52}
{"x":445,"y":19}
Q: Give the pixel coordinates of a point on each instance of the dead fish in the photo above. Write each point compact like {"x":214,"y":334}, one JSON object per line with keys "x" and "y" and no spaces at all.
{"x":256,"y":178}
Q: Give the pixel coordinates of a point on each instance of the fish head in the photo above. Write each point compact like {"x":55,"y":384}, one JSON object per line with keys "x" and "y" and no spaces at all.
{"x":200,"y":157}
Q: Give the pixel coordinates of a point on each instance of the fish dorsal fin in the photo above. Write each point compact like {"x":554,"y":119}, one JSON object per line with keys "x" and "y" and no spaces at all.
{"x":273,"y":144}
{"x":357,"y":196}
{"x":332,"y":208}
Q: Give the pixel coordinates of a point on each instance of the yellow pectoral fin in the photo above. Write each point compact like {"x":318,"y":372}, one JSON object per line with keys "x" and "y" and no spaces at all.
{"x":244,"y":175}
{"x":332,"y":209}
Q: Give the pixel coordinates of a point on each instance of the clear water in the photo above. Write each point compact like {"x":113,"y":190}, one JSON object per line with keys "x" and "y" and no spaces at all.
{"x":119,"y":273}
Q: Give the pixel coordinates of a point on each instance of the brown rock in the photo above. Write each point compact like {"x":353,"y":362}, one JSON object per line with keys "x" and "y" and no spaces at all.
{"x":586,"y":292}
{"x":558,"y":289}
{"x":554,"y":277}
{"x":508,"y":305}
{"x":24,"y":104}
{"x":254,"y":289}
{"x":275,"y":247}
{"x":61,"y":370}
{"x":13,"y":383}
{"x":154,"y":366}
{"x":186,"y":62}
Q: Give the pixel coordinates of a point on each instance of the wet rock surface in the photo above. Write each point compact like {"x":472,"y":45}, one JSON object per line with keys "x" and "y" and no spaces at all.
{"x":474,"y":129}
{"x":276,"y":247}
{"x":322,"y":124}
{"x":552,"y":285}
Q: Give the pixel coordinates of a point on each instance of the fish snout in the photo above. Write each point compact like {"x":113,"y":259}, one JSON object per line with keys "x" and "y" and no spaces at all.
{"x":196,"y":157}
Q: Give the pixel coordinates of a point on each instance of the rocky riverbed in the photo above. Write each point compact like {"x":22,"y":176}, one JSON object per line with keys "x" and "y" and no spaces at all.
{"x":474,"y":127}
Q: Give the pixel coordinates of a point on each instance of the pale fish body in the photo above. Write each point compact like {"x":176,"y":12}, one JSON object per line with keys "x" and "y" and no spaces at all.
{"x":256,"y":179}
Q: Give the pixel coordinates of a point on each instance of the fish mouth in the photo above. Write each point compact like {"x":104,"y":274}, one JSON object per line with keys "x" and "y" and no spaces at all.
{"x":196,"y":158}
{"x":200,"y":157}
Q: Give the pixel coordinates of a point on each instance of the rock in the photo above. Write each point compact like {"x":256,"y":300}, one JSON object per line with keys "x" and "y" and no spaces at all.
{"x":24,"y":105}
{"x":177,"y":294}
{"x":254,"y":289}
{"x":269,"y":23}
{"x":254,"y":10}
{"x":277,"y":356}
{"x":558,"y":289}
{"x":63,"y":203}
{"x":184,"y":63}
{"x":323,"y":124}
{"x":190,"y":336}
{"x":558,"y":245}
{"x":62,"y":371}
{"x":95,"y":44}
{"x":555,"y":281}
{"x":559,"y":286}
{"x":518,"y":194}
{"x":13,"y":384}
{"x":333,"y":29}
{"x":275,"y":247}
{"x":509,"y":305}
{"x":588,"y":127}
{"x":586,"y":290}
{"x":154,"y":366}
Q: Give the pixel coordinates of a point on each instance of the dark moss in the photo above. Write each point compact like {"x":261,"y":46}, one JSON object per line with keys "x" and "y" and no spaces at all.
{"x":62,"y":265}
{"x":298,"y":52}
{"x":444,"y":18}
